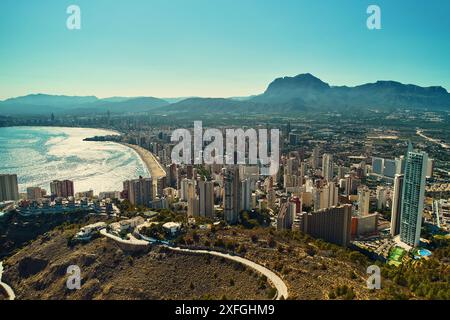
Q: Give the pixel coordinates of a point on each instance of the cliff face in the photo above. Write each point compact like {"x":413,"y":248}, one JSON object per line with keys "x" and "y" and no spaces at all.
{"x":39,"y":272}
{"x":16,"y":230}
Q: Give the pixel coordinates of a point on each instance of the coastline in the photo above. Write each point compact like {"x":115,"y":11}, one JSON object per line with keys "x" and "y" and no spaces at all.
{"x":9,"y":291}
{"x":154,"y":167}
{"x":68,"y":140}
{"x":114,"y":131}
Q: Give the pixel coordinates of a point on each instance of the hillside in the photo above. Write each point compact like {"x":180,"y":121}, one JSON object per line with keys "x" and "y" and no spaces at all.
{"x":39,"y":272}
{"x":212,"y":106}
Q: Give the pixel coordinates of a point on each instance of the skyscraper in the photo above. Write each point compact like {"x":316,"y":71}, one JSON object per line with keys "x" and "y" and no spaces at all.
{"x":413,"y":197}
{"x":389,"y":168}
{"x":327,"y":166}
{"x":140,"y":192}
{"x":381,"y":197}
{"x":315,"y":158}
{"x":192,"y":199}
{"x":349,"y":184}
{"x":193,"y":206}
{"x":286,"y":216}
{"x":363,"y":200}
{"x":291,"y":173}
{"x":396,"y":204}
{"x":378,"y":166}
{"x":9,"y":189}
{"x":246,"y":195}
{"x":326,"y":197}
{"x":332,"y":224}
{"x":302,"y":172}
{"x":341,"y":172}
{"x":298,"y":203}
{"x":34,"y":193}
{"x":184,"y":188}
{"x":232,"y":194}
{"x":400,"y":165}
{"x":171,"y":175}
{"x":206,"y":189}
{"x":190,"y":171}
{"x":161,"y":184}
{"x":62,"y":189}
{"x":430,"y":168}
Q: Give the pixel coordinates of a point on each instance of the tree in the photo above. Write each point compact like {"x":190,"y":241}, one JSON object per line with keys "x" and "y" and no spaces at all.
{"x":331,"y":295}
{"x":196,"y":237}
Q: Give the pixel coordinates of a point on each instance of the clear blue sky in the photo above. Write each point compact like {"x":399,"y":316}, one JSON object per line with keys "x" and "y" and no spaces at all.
{"x":170,"y":48}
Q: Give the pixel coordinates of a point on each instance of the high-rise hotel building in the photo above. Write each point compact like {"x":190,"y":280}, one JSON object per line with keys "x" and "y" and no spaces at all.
{"x":327,"y":166}
{"x":206,"y":193}
{"x":246,"y":195}
{"x":232,"y":194}
{"x":396,"y":204}
{"x":286,"y":216}
{"x":363,"y":200}
{"x":413,"y":194}
{"x":34,"y":193}
{"x":9,"y":189}
{"x":331,"y":224}
{"x":62,"y":189}
{"x":139,"y":191}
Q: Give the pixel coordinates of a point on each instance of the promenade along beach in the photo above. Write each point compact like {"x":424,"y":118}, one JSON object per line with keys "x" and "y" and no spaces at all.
{"x":153,"y":165}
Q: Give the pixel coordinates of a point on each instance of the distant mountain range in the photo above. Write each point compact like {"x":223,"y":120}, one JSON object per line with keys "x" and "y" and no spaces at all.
{"x":307,"y":91}
{"x":44,"y":104}
{"x":289,"y":94}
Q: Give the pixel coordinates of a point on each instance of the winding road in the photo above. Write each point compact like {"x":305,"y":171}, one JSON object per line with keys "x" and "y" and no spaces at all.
{"x":8,"y":289}
{"x":436,"y":141}
{"x":282,"y":291}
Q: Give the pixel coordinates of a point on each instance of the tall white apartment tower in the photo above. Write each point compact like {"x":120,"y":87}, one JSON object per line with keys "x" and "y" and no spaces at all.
{"x":232,"y":195}
{"x":413,"y":194}
{"x":246,"y":195}
{"x":327,"y":166}
{"x":396,"y":204}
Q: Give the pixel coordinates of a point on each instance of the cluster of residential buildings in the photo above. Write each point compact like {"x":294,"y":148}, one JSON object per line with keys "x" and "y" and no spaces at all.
{"x":146,"y":192}
{"x":62,"y":198}
{"x":340,"y":205}
{"x":63,"y":205}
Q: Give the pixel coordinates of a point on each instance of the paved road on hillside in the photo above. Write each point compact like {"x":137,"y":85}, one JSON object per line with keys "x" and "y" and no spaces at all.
{"x":279,"y":284}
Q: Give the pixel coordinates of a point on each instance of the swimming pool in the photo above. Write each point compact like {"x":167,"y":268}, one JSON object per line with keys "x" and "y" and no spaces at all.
{"x":422,"y":253}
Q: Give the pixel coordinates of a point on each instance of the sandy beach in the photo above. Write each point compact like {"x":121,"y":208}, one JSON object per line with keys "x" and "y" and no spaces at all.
{"x":152,"y":163}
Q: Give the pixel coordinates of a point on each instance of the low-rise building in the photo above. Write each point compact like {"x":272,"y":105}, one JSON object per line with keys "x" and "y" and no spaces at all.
{"x":86,"y":232}
{"x":172,"y":227}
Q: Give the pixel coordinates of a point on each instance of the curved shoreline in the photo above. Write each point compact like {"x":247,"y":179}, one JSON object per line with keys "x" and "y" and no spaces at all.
{"x":58,"y":147}
{"x":155,"y":168}
{"x":8,"y":289}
